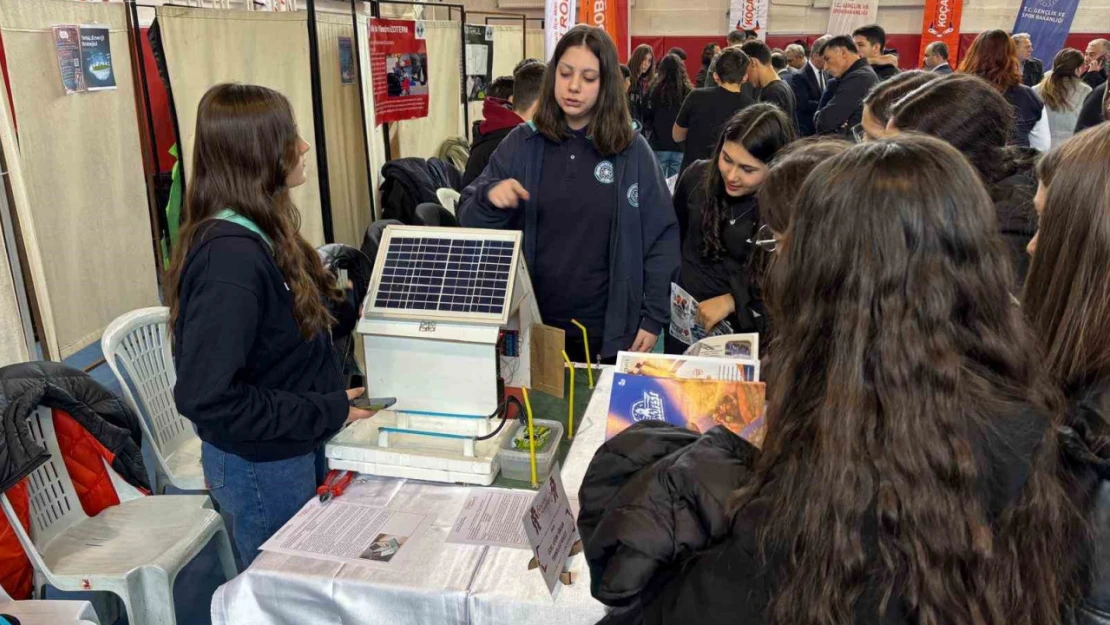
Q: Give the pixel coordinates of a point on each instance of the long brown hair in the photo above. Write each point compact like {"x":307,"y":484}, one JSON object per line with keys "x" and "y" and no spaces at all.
{"x":901,"y":348}
{"x":762,"y":129}
{"x":993,"y":57}
{"x":637,"y":59}
{"x":779,"y":192}
{"x":611,"y":126}
{"x":246,"y":145}
{"x":1058,"y":87}
{"x":1067,"y":293}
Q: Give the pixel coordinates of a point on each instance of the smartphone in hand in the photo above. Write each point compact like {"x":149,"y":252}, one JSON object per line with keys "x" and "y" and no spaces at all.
{"x":373,"y":403}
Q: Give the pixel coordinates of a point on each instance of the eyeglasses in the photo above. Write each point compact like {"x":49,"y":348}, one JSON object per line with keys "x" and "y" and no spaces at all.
{"x":765,"y":239}
{"x":858,"y":133}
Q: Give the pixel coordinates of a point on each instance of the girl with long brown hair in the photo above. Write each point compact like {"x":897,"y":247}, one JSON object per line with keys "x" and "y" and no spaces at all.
{"x":993,"y":57}
{"x":256,"y":370}
{"x":1063,"y":93}
{"x":642,"y":64}
{"x":907,"y":473}
{"x":1067,"y":301}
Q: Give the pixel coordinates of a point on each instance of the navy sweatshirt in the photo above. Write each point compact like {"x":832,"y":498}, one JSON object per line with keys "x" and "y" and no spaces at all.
{"x":643,"y":234}
{"x":245,"y":377}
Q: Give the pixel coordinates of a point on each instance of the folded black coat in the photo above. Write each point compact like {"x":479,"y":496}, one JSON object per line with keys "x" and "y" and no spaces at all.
{"x":25,"y":387}
{"x":652,"y":495}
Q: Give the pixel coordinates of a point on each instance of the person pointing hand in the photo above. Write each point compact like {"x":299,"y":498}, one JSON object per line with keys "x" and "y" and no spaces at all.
{"x":507,"y":194}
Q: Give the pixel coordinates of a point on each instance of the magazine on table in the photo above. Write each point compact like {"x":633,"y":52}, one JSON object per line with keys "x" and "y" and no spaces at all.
{"x":697,"y":405}
{"x":727,"y":346}
{"x":684,"y":323}
{"x":688,"y":367}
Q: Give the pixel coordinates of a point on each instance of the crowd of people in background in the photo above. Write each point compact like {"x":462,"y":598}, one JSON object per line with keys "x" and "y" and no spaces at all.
{"x":908,"y":245}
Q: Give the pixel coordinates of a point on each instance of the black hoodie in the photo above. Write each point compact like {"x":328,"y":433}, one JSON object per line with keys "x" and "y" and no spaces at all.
{"x":245,"y":377}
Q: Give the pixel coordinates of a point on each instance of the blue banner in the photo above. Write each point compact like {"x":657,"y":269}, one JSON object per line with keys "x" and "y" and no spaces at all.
{"x":1048,"y":23}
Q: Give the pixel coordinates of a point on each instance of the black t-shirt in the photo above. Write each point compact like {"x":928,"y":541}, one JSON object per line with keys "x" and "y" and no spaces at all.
{"x":781,"y":95}
{"x":704,"y":113}
{"x":659,"y":123}
{"x":706,"y":278}
{"x":575,"y":202}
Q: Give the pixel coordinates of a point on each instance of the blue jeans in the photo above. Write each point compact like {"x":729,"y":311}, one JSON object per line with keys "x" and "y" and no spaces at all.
{"x":669,"y":162}
{"x":257,"y":498}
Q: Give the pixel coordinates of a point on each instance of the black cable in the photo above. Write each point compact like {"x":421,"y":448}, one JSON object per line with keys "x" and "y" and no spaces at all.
{"x":503,"y":410}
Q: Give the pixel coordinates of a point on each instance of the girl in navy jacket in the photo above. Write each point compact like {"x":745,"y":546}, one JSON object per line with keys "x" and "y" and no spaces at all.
{"x":600,"y":236}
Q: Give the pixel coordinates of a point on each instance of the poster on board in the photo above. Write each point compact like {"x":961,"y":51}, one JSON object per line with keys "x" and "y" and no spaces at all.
{"x":84,"y":57}
{"x":847,"y":15}
{"x":1047,"y":22}
{"x":346,"y":61}
{"x":399,"y":65}
{"x":479,"y":61}
{"x":749,"y":15}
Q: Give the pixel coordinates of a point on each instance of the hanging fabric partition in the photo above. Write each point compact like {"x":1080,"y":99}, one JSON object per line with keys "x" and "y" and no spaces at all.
{"x":13,"y":346}
{"x":77,"y":176}
{"x":422,"y":137}
{"x":206,"y":47}
{"x":533,"y":44}
{"x":508,"y":49}
{"x":374,"y":135}
{"x":350,"y":195}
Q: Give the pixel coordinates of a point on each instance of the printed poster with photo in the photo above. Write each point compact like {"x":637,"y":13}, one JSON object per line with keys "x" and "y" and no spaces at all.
{"x":346,"y":61}
{"x":479,"y":61}
{"x":84,"y":57}
{"x":399,"y":66}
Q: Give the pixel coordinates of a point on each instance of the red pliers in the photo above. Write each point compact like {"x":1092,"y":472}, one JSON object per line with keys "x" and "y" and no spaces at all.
{"x":334,"y":484}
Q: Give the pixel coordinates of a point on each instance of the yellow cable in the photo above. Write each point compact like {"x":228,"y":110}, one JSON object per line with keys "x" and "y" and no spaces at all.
{"x":586,"y":342}
{"x":570,"y":404}
{"x":531,"y":438}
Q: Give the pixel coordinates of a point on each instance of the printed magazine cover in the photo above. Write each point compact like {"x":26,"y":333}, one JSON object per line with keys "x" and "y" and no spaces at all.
{"x":688,"y":367}
{"x":697,"y":405}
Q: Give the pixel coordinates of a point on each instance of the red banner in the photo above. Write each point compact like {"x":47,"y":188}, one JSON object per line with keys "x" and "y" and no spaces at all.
{"x":941,"y":23}
{"x":612,"y":15}
{"x":399,"y":66}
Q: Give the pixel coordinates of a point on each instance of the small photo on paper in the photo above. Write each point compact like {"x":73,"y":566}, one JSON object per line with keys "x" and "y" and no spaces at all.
{"x":384,"y":547}
{"x":406,"y":75}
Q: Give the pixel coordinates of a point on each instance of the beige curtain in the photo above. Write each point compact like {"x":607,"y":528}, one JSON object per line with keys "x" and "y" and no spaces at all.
{"x":374,"y":135}
{"x":77,"y":177}
{"x":508,"y":49}
{"x":350,"y":194}
{"x":422,"y":137}
{"x":534,"y":44}
{"x":206,"y":47}
{"x":13,"y":346}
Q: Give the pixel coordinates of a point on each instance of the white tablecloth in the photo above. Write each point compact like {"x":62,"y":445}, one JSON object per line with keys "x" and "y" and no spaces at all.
{"x":439,"y":583}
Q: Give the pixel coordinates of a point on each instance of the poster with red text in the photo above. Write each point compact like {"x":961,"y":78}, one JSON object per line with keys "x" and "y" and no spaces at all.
{"x":942,"y":23}
{"x":558,"y":18}
{"x":749,"y":15}
{"x":611,"y":16}
{"x":399,"y":66}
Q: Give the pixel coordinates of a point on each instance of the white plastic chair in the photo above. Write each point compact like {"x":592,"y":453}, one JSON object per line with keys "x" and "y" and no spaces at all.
{"x":134,"y":550}
{"x":140,"y":341}
{"x":449,"y":198}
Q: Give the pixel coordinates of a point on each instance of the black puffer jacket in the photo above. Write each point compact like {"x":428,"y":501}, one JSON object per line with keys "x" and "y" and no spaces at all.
{"x":1017,"y":218}
{"x":1091,"y":423}
{"x":652,"y":495}
{"x":410,"y":182}
{"x":25,"y":387}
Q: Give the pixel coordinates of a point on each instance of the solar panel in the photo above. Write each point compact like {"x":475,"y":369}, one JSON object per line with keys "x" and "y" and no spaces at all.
{"x":436,"y":274}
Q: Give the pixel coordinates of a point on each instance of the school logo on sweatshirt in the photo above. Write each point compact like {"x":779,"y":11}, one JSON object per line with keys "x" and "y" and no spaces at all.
{"x":604,"y":172}
{"x":634,"y":195}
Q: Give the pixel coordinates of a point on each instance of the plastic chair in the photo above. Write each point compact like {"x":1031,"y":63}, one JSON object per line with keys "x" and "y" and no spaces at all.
{"x":140,"y":341}
{"x":50,"y":612}
{"x":134,"y":550}
{"x":449,"y":198}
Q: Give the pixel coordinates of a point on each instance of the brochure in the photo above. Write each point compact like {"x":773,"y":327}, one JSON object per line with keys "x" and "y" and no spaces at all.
{"x":684,"y":325}
{"x":688,"y":367}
